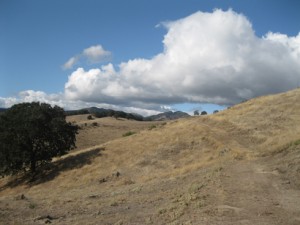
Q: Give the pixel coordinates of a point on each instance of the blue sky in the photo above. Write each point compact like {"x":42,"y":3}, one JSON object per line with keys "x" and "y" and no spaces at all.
{"x":38,"y":37}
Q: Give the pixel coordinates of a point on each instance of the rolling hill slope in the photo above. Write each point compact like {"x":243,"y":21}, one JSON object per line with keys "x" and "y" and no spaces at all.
{"x":100,"y":130}
{"x":239,"y":166}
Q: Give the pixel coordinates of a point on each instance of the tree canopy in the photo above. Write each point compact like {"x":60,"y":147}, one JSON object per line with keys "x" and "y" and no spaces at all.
{"x":203,"y":113}
{"x":32,"y":134}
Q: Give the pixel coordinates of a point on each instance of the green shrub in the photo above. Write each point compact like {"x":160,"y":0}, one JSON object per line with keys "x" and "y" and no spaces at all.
{"x":128,"y":133}
{"x":152,"y":127}
{"x":297,"y":142}
{"x":32,"y":205}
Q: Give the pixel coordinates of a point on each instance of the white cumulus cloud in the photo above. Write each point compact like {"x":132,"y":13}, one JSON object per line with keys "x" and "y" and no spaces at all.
{"x":96,"y":53}
{"x":93,"y":54}
{"x":71,"y":62}
{"x":208,"y":58}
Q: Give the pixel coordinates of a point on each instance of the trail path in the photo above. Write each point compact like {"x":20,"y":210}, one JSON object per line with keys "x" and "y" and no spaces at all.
{"x":253,"y":193}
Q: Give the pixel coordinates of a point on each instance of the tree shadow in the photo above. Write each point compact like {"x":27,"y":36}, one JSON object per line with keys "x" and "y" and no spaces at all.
{"x":51,"y":170}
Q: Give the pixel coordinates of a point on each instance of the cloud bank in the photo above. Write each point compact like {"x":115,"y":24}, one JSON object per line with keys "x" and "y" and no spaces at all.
{"x":207,"y":58}
{"x":60,"y":100}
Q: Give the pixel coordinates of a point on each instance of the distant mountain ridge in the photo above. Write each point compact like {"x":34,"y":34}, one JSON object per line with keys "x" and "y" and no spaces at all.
{"x":101,"y":112}
{"x":168,"y":116}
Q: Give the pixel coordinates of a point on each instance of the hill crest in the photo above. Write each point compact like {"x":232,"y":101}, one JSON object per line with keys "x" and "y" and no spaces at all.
{"x":101,"y":112}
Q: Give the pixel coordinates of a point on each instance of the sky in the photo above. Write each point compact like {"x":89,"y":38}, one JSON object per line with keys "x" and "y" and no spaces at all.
{"x":147,"y":56}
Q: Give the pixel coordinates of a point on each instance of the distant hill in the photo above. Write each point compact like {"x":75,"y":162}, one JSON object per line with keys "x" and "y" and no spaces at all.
{"x":76,"y":112}
{"x":167,"y":116}
{"x":101,"y":112}
{"x":2,"y":110}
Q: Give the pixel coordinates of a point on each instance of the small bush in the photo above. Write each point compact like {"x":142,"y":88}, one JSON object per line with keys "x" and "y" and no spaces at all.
{"x":297,"y":142}
{"x":128,"y":133}
{"x":89,"y":117}
{"x":95,"y":124}
{"x":152,"y":127}
{"x":32,"y":205}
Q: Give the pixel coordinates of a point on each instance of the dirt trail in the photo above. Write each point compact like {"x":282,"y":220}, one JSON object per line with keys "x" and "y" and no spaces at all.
{"x":253,"y":193}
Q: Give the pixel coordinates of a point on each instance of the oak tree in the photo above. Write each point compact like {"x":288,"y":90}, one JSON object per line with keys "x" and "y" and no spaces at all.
{"x":32,"y":134}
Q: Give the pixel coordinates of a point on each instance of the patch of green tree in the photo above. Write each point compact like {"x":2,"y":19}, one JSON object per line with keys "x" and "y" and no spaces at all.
{"x":31,"y":134}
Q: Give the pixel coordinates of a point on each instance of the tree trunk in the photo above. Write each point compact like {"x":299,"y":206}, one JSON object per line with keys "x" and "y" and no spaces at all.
{"x":32,"y":163}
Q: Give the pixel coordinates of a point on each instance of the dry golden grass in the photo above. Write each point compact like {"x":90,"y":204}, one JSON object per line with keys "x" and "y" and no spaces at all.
{"x":238,"y":166}
{"x":101,"y":130}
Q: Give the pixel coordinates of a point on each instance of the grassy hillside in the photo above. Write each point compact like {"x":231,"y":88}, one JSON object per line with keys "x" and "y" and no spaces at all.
{"x":239,"y":166}
{"x":101,"y":130}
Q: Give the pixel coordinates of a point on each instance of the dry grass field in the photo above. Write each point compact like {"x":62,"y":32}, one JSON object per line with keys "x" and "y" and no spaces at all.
{"x":101,"y":130}
{"x":239,"y":166}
